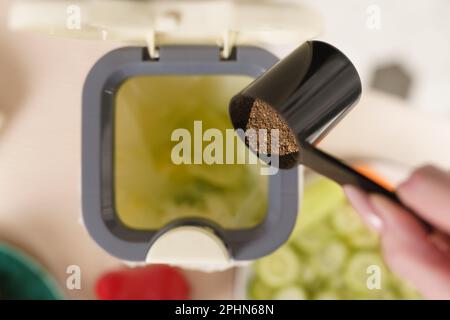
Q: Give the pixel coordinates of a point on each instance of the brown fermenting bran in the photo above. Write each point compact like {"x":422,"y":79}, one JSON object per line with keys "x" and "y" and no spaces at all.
{"x":263,"y":116}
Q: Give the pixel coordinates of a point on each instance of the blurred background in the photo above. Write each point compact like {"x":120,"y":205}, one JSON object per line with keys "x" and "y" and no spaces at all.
{"x":400,"y":47}
{"x":405,"y":53}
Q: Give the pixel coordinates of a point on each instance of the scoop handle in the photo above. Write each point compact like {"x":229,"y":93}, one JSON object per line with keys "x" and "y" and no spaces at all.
{"x":335,"y":169}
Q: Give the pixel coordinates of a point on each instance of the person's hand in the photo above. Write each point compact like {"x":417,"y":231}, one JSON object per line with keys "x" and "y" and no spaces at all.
{"x":420,"y":257}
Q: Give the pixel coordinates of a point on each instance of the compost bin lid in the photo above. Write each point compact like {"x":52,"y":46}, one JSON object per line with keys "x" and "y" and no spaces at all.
{"x":221,"y":22}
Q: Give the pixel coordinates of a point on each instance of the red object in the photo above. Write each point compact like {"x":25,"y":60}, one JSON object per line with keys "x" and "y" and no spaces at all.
{"x":156,"y":282}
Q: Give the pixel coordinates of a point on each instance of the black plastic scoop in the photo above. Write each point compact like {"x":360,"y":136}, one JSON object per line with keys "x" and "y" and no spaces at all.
{"x":309,"y":91}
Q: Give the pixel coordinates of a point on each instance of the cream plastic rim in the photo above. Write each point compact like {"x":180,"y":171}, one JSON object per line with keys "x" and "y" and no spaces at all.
{"x":158,"y":22}
{"x":189,"y":246}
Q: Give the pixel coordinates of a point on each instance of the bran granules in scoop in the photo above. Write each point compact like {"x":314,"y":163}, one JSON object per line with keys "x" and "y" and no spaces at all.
{"x":263,"y":117}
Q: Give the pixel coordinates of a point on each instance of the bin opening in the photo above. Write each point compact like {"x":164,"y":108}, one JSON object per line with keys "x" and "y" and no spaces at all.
{"x":150,"y":188}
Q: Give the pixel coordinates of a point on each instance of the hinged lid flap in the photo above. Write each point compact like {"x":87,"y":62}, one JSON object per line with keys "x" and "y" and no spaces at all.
{"x":169,"y":21}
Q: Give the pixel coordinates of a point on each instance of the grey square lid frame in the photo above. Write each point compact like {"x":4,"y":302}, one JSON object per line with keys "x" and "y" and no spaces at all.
{"x":98,"y":105}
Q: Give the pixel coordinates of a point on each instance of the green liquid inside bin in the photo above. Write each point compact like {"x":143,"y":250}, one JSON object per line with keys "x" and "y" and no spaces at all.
{"x":150,"y":189}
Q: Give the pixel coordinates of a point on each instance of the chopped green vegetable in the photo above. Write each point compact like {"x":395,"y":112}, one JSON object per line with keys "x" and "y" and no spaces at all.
{"x":327,"y":295}
{"x":319,"y":199}
{"x":279,"y":269}
{"x":312,"y":240}
{"x":359,"y":269}
{"x":331,"y":255}
{"x":290,"y":293}
{"x":405,"y":290}
{"x":259,"y":291}
{"x":345,"y":221}
{"x":309,"y":276}
{"x":331,"y":258}
{"x":363,"y":239}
